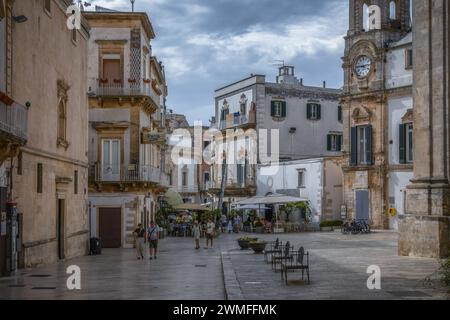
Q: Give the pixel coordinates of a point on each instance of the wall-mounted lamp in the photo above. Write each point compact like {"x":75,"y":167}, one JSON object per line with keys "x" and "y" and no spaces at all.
{"x":20,"y":19}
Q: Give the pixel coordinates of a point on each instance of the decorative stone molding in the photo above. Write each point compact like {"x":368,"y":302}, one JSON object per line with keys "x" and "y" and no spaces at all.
{"x":362,"y":114}
{"x":408,"y":116}
{"x":63,"y":88}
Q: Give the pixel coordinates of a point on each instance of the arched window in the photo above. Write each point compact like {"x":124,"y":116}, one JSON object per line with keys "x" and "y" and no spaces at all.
{"x":365,"y":17}
{"x":62,"y":121}
{"x":392,"y":10}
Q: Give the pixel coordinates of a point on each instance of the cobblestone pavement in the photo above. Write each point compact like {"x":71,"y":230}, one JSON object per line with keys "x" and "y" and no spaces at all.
{"x":179,"y":273}
{"x":338,"y":271}
{"x":338,"y":266}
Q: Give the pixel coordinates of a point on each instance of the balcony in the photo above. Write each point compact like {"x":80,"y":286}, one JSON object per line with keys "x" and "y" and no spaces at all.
{"x":13,"y":122}
{"x":120,"y":88}
{"x":237,"y":120}
{"x":128,"y":174}
{"x":187,"y":189}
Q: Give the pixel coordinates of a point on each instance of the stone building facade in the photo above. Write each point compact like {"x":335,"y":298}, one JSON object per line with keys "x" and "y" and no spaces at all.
{"x":50,"y":173}
{"x":127,"y":92}
{"x":377,"y":110}
{"x":13,"y":132}
{"x":424,"y":230}
{"x":307,"y":119}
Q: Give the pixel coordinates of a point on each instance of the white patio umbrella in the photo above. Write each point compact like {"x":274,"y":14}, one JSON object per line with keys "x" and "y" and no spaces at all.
{"x":271,"y":199}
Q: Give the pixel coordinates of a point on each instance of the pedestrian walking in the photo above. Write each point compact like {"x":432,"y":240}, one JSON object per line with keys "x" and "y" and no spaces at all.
{"x":210,"y":232}
{"x":196,"y":233}
{"x":139,"y":235}
{"x":230,"y":226}
{"x":152,"y":237}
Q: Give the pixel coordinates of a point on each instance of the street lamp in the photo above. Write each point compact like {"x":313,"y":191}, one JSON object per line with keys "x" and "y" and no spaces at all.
{"x":132,"y":5}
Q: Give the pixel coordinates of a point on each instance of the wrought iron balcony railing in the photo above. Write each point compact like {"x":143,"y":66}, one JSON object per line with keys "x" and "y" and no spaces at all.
{"x":121,"y":87}
{"x":14,"y":120}
{"x":128,"y":174}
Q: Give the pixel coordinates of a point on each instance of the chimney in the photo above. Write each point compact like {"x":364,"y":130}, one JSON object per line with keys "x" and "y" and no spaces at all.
{"x":324,"y":84}
{"x":301,"y":81}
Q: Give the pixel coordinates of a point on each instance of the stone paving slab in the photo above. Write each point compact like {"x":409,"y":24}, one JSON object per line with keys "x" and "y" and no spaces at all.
{"x":338,"y":269}
{"x":180,"y":273}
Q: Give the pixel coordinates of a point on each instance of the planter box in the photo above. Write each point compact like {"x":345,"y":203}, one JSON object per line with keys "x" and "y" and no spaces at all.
{"x":244,"y":244}
{"x":259,"y":229}
{"x":258,"y":247}
{"x":326,"y":229}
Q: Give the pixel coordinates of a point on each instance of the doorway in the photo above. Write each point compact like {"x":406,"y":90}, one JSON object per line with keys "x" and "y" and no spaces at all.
{"x":362,"y":205}
{"x":60,"y":228}
{"x":110,"y":227}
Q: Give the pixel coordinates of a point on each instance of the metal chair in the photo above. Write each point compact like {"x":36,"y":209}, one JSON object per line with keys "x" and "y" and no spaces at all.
{"x":284,"y":254}
{"x":297,"y":263}
{"x":274,"y":248}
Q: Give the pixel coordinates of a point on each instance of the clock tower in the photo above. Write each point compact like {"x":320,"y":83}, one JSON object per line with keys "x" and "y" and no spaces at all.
{"x":373,"y":26}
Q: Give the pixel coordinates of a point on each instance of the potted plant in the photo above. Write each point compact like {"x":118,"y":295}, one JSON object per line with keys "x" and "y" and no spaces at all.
{"x":244,"y":242}
{"x":259,"y":226}
{"x":258,"y":246}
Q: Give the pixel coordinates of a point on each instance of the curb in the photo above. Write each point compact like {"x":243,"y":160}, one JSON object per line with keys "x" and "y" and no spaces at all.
{"x":232,"y":288}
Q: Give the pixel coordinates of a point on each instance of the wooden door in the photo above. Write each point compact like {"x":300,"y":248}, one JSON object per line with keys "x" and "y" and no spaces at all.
{"x":111,"y":70}
{"x":110,"y":227}
{"x":61,"y":229}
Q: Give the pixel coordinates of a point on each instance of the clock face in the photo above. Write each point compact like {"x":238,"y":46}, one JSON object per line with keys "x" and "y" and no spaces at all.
{"x":363,"y":66}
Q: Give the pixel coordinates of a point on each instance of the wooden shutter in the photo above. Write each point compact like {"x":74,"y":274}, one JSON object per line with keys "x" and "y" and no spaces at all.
{"x":353,"y":146}
{"x":369,"y":154}
{"x":272,"y":109}
{"x":283,"y":109}
{"x":329,"y":137}
{"x":308,"y":110}
{"x":319,"y":111}
{"x":402,"y":143}
{"x":339,"y":143}
{"x":39,"y":178}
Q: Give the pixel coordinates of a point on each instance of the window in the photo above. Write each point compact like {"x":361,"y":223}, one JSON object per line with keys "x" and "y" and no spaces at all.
{"x":243,"y":108}
{"x":75,"y":182}
{"x":74,"y":36}
{"x":406,"y":154}
{"x":48,"y":6}
{"x":240,"y":174}
{"x":184,"y":179}
{"x":206,"y":177}
{"x":408,"y":58}
{"x":301,"y":178}
{"x":111,"y":159}
{"x":361,"y":145}
{"x":392,"y":10}
{"x":62,"y":121}
{"x":334,"y":142}
{"x":39,"y":178}
{"x":278,"y":109}
{"x":313,"y":111}
{"x":339,"y":111}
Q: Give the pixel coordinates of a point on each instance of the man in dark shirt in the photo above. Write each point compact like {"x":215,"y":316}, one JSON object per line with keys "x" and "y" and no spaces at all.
{"x":139,"y":235}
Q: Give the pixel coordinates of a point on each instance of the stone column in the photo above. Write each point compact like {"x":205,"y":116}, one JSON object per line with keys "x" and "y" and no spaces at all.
{"x":424,"y":230}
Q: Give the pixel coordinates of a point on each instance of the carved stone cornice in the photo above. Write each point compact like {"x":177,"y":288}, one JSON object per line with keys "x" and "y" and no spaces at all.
{"x":361,"y":114}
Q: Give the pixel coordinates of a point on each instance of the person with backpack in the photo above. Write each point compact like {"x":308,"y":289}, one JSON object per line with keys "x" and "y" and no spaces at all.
{"x":152,"y":237}
{"x":139,"y":234}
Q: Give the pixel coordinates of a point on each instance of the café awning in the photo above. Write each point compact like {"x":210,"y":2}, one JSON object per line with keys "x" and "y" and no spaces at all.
{"x":271,"y":199}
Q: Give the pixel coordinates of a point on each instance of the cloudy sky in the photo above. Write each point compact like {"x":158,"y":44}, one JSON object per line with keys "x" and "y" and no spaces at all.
{"x":206,"y":44}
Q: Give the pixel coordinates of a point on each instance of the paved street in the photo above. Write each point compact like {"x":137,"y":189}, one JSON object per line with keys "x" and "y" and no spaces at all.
{"x":338,"y":271}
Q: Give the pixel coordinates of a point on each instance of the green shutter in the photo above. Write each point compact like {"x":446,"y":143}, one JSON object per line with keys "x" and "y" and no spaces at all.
{"x":319,"y":112}
{"x":402,"y":143}
{"x":353,"y":146}
{"x":272,"y":109}
{"x":283,"y":109}
{"x":308,"y":111}
{"x":329,"y":137}
{"x":340,"y":113}
{"x":339,"y":143}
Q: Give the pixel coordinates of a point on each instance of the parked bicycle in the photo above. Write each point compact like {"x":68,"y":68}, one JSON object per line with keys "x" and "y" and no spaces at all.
{"x":356,"y":227}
